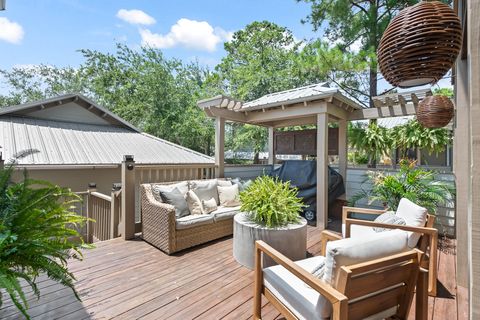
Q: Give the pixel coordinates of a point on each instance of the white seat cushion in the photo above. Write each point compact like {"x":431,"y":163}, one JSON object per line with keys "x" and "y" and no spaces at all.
{"x":303,"y":301}
{"x":359,"y":231}
{"x":193,"y":220}
{"x":415,"y":216}
{"x":223,"y":213}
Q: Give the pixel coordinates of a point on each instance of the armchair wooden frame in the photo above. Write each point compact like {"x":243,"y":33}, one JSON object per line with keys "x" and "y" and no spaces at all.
{"x":427,"y":243}
{"x":394,"y":276}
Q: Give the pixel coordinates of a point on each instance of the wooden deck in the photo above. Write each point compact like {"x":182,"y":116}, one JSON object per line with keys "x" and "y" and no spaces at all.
{"x":133,"y":280}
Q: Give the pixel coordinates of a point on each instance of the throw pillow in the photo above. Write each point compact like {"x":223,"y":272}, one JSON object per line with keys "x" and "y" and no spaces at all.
{"x":227,"y":194}
{"x":224,"y":183}
{"x":207,"y":191}
{"x":389,"y":218}
{"x":232,"y":203}
{"x":209,"y":205}
{"x":194,"y":203}
{"x":242,"y":184}
{"x":176,"y":199}
{"x":319,"y":270}
{"x":157,"y":188}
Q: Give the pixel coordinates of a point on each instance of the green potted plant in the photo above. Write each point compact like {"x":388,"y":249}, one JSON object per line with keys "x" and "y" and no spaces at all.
{"x":270,"y":212}
{"x":416,"y":184}
{"x":38,"y":235}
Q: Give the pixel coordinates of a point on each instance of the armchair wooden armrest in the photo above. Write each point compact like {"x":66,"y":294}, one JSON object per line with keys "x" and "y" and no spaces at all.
{"x":337,"y":299}
{"x":347,"y":210}
{"x":431,"y":233}
{"x":327,"y":236}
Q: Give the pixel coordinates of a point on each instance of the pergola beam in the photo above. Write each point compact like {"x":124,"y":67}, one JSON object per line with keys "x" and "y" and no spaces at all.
{"x":384,"y":112}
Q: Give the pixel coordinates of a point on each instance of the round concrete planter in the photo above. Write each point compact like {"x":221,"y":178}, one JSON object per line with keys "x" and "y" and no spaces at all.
{"x":290,"y":240}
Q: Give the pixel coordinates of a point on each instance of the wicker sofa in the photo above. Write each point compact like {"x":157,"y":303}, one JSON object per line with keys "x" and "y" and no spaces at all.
{"x":162,"y":229}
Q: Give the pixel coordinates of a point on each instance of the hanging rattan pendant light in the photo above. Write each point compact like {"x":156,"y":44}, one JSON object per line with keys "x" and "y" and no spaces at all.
{"x":420,"y":45}
{"x":435,"y":111}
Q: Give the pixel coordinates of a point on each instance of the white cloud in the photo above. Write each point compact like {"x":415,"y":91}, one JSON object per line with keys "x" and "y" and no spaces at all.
{"x":135,"y":16}
{"x":10,"y":31}
{"x":193,"y":34}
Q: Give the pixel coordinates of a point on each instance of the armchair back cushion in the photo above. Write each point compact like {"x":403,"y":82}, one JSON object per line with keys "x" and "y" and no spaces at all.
{"x":351,"y":251}
{"x":415,"y":216}
{"x":206,"y":190}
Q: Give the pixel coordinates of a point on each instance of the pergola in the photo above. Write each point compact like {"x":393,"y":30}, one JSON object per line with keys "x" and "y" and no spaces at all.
{"x":316,"y":105}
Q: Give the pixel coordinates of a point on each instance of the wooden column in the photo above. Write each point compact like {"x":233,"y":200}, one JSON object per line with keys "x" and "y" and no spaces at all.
{"x":271,"y":146}
{"x":128,"y":198}
{"x":220,"y":147}
{"x":115,"y":208}
{"x":473,"y":31}
{"x":342,"y":149}
{"x":322,"y":170}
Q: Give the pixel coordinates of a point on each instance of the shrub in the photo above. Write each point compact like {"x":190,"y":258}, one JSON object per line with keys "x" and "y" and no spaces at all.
{"x":37,"y":235}
{"x":271,"y":202}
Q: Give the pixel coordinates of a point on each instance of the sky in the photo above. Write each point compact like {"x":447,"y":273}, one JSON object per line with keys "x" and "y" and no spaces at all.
{"x":51,"y":31}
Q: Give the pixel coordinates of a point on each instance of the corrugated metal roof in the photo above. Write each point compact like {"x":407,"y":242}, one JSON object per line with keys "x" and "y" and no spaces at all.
{"x":65,"y":143}
{"x":311,"y":92}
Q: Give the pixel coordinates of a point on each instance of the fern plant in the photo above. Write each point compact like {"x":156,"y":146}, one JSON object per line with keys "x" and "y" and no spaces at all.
{"x":418,"y":185}
{"x":271,"y":202}
{"x":38,"y":234}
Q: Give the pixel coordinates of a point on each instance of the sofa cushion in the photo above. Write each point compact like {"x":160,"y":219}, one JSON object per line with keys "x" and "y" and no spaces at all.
{"x":156,"y":188}
{"x":209,"y":205}
{"x":194,"y":203}
{"x":388,"y":218}
{"x":414,"y":215}
{"x":226,"y":195}
{"x":176,"y":199}
{"x":193,"y":220}
{"x":224,"y":213}
{"x":206,"y":191}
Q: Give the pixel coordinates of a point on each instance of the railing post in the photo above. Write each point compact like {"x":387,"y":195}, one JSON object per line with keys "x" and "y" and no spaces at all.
{"x":115,"y":210}
{"x":92,"y":187}
{"x":2,"y":162}
{"x":128,"y":197}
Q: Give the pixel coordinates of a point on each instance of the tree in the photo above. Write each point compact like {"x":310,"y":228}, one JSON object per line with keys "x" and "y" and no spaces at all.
{"x":156,"y":94}
{"x":261,"y":59}
{"x":361,"y":22}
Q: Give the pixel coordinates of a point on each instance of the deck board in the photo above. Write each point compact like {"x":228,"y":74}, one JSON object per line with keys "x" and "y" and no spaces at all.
{"x":133,"y":280}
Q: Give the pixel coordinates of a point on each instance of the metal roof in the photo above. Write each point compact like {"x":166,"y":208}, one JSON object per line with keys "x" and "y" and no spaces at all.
{"x":66,"y":143}
{"x":390,"y":122}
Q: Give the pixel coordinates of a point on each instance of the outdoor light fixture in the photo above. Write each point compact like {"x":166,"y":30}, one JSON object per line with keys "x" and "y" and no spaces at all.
{"x":2,"y":4}
{"x":420,"y":44}
{"x":435,"y":111}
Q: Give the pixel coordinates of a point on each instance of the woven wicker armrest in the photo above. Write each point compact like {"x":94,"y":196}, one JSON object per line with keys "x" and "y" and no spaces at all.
{"x":158,"y":220}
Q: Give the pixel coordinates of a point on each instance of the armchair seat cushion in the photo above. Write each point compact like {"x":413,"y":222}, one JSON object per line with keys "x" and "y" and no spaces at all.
{"x":303,"y":301}
{"x":224,"y":213}
{"x":193,"y":220}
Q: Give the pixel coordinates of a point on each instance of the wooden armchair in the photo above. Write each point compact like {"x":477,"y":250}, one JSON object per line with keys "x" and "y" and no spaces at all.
{"x":427,"y":243}
{"x":362,"y":290}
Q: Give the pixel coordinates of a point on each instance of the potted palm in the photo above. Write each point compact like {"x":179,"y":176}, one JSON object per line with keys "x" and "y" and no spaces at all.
{"x":270,"y":212}
{"x":38,"y":235}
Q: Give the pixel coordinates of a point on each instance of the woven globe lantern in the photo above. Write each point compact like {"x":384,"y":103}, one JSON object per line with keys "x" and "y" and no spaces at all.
{"x":435,"y":111}
{"x":420,"y":45}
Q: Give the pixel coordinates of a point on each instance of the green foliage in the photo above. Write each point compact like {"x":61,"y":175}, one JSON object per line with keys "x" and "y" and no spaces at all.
{"x":414,"y":135}
{"x":271,"y":202}
{"x":418,"y":185}
{"x":447,"y":92}
{"x":371,"y":139}
{"x":37,"y":226}
{"x":357,"y":157}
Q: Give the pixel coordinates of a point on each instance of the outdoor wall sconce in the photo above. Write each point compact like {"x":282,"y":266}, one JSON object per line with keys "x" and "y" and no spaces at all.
{"x":435,"y":111}
{"x":420,"y":45}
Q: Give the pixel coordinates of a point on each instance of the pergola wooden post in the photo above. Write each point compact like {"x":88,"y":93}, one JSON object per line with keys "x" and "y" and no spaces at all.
{"x":322,"y":170}
{"x":271,"y":146}
{"x":220,"y":147}
{"x":342,"y":148}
